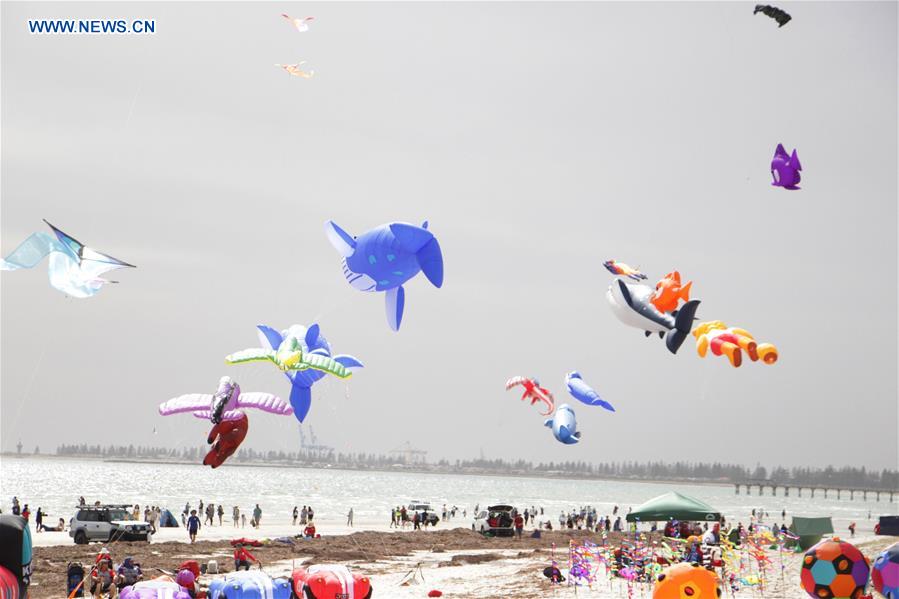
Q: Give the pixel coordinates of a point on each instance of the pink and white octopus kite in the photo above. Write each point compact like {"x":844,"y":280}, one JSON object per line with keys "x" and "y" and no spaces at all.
{"x":534,"y":392}
{"x":225,"y":404}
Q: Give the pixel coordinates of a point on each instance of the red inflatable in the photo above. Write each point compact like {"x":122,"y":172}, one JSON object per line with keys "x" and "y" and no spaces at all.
{"x":9,"y":585}
{"x":247,"y":542}
{"x":330,"y":581}
{"x":225,"y":437}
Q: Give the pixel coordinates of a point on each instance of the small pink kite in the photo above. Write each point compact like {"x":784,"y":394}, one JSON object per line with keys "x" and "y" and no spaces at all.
{"x":297,"y":70}
{"x":534,"y":392}
{"x":302,"y":25}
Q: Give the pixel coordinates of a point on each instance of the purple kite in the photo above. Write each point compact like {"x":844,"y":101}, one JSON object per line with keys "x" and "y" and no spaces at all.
{"x":225,"y":404}
{"x":785,"y":168}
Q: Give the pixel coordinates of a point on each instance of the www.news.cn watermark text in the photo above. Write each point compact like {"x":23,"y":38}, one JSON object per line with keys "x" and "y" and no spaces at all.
{"x":91,"y":26}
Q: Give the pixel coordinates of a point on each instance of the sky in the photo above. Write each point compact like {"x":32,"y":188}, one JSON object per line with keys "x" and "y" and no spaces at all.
{"x":539,"y":139}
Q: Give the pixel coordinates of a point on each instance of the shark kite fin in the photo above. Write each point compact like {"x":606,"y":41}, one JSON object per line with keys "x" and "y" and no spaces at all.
{"x":395,"y":299}
{"x":269,"y":336}
{"x":794,"y":160}
{"x":301,"y":401}
{"x":780,"y":151}
{"x":410,"y":237}
{"x":312,"y":335}
{"x":340,"y":239}
{"x":683,"y":323}
{"x":348,"y":361}
{"x":430,"y":259}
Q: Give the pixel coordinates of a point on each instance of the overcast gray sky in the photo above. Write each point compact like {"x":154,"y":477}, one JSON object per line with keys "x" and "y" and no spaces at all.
{"x":539,"y":140}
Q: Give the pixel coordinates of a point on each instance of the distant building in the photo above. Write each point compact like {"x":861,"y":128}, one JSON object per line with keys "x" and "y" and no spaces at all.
{"x":406,"y":454}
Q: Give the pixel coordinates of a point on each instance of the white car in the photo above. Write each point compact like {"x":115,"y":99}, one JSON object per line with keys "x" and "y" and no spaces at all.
{"x":416,"y":507}
{"x":106,"y":523}
{"x":498,"y":520}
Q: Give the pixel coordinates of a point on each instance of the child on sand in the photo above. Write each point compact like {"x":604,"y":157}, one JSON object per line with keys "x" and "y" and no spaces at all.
{"x":193,"y":526}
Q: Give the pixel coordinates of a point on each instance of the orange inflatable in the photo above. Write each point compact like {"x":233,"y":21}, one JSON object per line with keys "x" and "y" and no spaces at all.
{"x":731,"y":342}
{"x":686,"y":581}
{"x":669,"y":291}
{"x":330,"y":581}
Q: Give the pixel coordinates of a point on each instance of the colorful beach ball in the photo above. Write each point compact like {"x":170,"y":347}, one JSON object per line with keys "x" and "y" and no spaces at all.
{"x":834,"y":569}
{"x":686,"y":581}
{"x":885,"y":573}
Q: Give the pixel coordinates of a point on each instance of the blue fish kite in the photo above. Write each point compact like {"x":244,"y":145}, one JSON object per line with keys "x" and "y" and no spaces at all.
{"x":583,"y":392}
{"x":312,"y":342}
{"x":385,"y":257}
{"x":74,"y":268}
{"x":564,"y":425}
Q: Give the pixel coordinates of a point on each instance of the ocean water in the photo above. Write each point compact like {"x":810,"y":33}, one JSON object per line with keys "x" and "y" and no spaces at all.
{"x":54,"y":484}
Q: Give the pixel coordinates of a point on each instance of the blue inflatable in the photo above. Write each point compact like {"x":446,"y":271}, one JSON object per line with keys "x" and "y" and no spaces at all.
{"x":583,"y":392}
{"x":564,"y":425}
{"x":249,"y":584}
{"x":384,"y":258}
{"x":312,"y":342}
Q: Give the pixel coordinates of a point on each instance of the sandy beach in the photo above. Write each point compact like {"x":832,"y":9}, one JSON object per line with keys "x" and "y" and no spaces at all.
{"x":460,"y":563}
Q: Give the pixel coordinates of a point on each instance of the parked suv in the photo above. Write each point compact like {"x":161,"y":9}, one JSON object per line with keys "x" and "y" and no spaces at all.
{"x":106,"y":523}
{"x":416,"y":507}
{"x":497,"y":520}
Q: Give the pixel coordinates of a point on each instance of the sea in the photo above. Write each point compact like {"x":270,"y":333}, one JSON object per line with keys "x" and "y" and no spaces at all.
{"x":55,"y":484}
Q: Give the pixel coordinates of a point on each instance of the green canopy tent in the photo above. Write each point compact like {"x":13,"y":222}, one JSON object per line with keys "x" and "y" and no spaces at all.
{"x":674,"y":506}
{"x":810,"y":530}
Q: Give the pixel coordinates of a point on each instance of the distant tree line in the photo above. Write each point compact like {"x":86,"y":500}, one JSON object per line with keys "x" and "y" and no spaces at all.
{"x":847,"y":476}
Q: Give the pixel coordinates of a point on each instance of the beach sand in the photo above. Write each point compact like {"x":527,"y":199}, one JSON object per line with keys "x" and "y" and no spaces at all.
{"x":459,"y":562}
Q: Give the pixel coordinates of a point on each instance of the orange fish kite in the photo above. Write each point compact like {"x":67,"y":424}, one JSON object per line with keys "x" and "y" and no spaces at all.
{"x":669,"y":291}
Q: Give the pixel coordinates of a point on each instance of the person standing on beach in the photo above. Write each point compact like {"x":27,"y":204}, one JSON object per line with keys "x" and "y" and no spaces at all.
{"x":81,"y":501}
{"x":852,"y":529}
{"x":296,"y":513}
{"x":221,"y":512}
{"x":519,"y":525}
{"x":243,"y":520}
{"x":349,"y":518}
{"x":38,"y":519}
{"x":304,"y":516}
{"x":235,"y":515}
{"x":309,"y":514}
{"x":392,"y":517}
{"x":257,"y":515}
{"x":193,"y":526}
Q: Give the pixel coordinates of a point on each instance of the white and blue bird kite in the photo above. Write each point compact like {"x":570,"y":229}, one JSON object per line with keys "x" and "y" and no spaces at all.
{"x":74,"y":268}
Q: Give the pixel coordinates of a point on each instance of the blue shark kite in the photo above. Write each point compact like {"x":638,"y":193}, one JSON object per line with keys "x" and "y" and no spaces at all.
{"x":313,"y":343}
{"x":385,"y":257}
{"x":74,"y":268}
{"x":583,"y":392}
{"x":564,"y":425}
